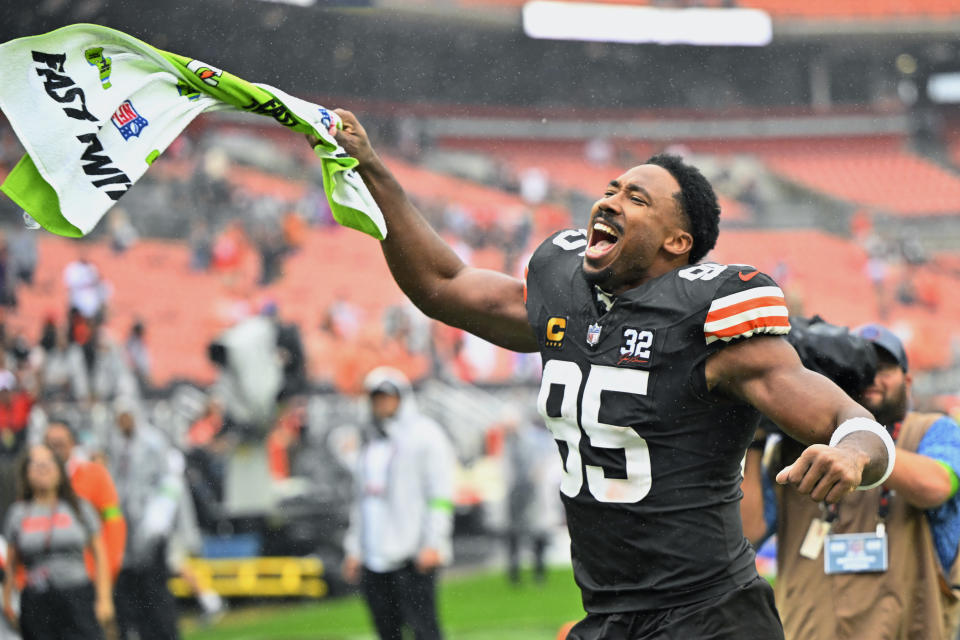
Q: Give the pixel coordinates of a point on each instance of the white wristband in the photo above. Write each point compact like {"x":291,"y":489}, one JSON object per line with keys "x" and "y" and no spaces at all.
{"x":866,"y":424}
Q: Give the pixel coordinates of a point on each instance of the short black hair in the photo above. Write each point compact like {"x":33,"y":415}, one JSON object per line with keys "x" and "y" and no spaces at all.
{"x":697,"y":200}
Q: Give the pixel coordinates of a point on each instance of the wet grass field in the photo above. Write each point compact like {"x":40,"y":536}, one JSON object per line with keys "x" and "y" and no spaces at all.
{"x":478,"y":607}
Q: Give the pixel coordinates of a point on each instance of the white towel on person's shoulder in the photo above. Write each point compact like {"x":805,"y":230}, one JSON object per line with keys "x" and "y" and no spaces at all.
{"x":94,"y":107}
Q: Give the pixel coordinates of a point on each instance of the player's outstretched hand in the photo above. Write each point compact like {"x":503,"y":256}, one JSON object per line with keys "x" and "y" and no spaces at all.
{"x":352,"y":137}
{"x":825,"y":473}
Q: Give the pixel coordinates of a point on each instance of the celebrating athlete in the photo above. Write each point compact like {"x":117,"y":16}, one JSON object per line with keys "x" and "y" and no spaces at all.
{"x":654,"y":370}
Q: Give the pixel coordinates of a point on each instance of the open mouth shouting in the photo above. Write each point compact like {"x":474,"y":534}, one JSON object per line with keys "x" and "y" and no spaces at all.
{"x":602,"y":240}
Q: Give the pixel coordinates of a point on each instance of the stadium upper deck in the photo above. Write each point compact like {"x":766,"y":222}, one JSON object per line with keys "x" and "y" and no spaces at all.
{"x":816,"y":9}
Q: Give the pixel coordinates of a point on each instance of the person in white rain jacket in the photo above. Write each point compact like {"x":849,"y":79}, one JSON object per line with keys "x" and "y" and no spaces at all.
{"x":402,"y":518}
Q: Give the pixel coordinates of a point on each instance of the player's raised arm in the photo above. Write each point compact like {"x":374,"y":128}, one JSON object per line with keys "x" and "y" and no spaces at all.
{"x":767,"y":373}
{"x":486,"y":303}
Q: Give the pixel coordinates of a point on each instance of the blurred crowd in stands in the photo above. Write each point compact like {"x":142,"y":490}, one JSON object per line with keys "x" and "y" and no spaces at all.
{"x":242,"y":226}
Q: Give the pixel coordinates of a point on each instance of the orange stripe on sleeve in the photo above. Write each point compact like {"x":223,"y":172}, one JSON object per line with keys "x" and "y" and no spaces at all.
{"x":764,"y":322}
{"x":746,"y":305}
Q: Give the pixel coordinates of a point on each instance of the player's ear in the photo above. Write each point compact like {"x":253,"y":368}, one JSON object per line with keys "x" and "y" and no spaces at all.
{"x":678,"y":242}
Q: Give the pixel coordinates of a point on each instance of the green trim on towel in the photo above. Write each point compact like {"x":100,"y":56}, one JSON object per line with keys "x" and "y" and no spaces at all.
{"x":34,"y":195}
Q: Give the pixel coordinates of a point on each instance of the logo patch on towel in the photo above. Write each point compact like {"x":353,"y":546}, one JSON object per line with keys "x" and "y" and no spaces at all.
{"x":206,"y":72}
{"x":127,"y":121}
{"x":187,"y":91}
{"x":326,"y":119}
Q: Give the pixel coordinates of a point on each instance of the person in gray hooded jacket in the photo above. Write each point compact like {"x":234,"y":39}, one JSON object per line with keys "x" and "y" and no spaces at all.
{"x":402,"y":518}
{"x":148,"y":487}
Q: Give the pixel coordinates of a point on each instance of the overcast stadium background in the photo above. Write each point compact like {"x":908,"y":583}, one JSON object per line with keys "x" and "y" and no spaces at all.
{"x":835,"y":149}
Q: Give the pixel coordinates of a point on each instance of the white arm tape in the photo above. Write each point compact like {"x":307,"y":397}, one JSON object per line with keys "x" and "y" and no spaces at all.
{"x":866,"y":424}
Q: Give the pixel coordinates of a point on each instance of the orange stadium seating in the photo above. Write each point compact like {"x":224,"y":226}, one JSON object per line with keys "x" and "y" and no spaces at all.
{"x":826,"y":275}
{"x":566,"y":168}
{"x":855,"y":8}
{"x":896,"y":182}
{"x":186,"y":309}
{"x":872,"y":171}
{"x":430,"y":185}
{"x":876,"y":172}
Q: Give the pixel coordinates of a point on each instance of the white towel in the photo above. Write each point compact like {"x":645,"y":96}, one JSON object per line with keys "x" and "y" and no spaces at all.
{"x":95,"y":107}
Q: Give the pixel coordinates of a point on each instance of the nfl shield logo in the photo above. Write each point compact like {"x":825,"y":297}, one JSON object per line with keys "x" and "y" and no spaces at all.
{"x":593,"y":334}
{"x":127,"y":121}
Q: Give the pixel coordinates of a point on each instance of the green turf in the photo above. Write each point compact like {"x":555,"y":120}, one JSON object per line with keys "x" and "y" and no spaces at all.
{"x":478,"y":607}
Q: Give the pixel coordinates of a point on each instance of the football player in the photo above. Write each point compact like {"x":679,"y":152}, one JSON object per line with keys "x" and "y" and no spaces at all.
{"x":654,"y":370}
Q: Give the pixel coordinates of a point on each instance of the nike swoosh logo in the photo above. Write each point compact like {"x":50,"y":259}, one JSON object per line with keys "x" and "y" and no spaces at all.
{"x":747,"y":277}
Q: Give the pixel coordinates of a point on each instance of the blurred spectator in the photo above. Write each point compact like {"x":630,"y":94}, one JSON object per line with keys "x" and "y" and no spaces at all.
{"x":149,"y":489}
{"x":207,"y":427}
{"x":533,"y":506}
{"x":344,"y":318}
{"x":598,"y":152}
{"x":286,"y":439}
{"x":402,"y":519}
{"x":110,"y":375}
{"x":291,"y":353}
{"x":201,"y":246}
{"x":205,"y":465}
{"x":927,"y":288}
{"x":876,"y":271}
{"x":123,"y":234}
{"x":294,"y":230}
{"x":229,"y":248}
{"x":906,"y":292}
{"x":8,"y":282}
{"x":15,"y":406}
{"x":861,"y":226}
{"x":516,"y":241}
{"x":138,"y":356}
{"x":19,"y":359}
{"x":185,"y":542}
{"x":48,"y":333}
{"x":782,"y":273}
{"x":409,"y":326}
{"x":64,"y":372}
{"x":410,"y":135}
{"x":47,"y":530}
{"x":457,"y":219}
{"x":272,"y":248}
{"x":912,"y":249}
{"x":315,"y":204}
{"x":92,"y":482}
{"x":23,"y":256}
{"x":534,"y":185}
{"x":88,"y":292}
{"x":79,"y":328}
